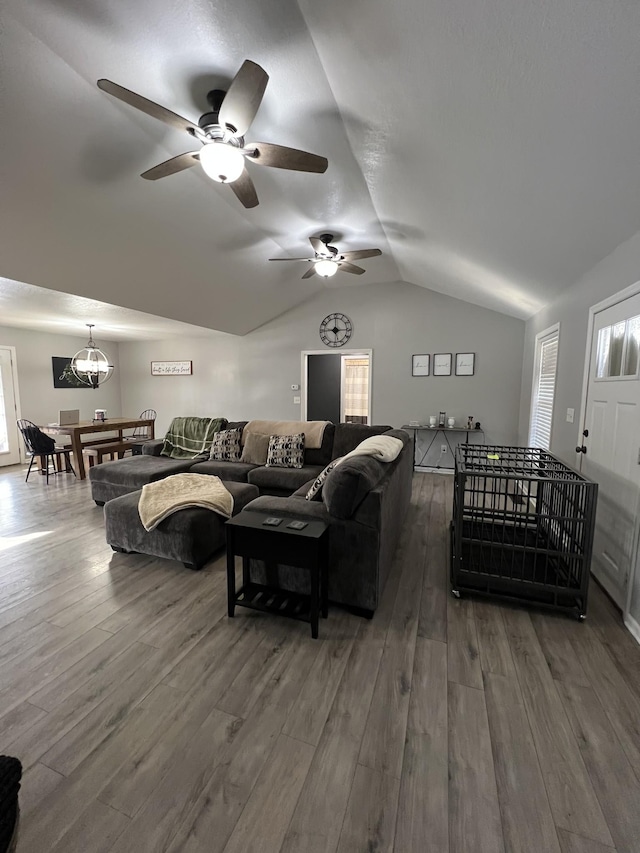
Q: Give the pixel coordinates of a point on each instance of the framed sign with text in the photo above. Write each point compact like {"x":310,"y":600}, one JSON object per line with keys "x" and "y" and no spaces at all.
{"x":465,"y":363}
{"x":171,"y":368}
{"x":420,"y":364}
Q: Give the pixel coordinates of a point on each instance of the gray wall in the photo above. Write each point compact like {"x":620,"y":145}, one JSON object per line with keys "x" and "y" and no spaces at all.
{"x":617,"y":271}
{"x":251,"y":377}
{"x":40,"y":401}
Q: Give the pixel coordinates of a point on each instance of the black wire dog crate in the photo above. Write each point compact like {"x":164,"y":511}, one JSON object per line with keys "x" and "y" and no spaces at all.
{"x":522,"y":527}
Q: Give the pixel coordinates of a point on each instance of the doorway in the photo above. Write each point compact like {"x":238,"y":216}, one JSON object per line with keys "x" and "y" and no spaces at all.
{"x":609,"y":439}
{"x":337,"y":386}
{"x":9,"y":410}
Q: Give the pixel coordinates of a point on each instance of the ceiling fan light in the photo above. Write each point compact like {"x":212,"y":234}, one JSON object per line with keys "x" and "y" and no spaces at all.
{"x":326,"y":268}
{"x":222,"y":162}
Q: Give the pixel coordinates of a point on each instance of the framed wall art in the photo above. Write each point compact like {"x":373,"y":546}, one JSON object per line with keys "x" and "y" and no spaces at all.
{"x":465,"y":363}
{"x":63,"y":376}
{"x":442,"y":364}
{"x":171,"y":368}
{"x":420,"y":364}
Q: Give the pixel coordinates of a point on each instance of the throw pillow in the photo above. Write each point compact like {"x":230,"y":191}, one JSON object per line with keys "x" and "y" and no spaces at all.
{"x":286,"y":451}
{"x":226,"y":446}
{"x":316,"y":487}
{"x":256,"y":448}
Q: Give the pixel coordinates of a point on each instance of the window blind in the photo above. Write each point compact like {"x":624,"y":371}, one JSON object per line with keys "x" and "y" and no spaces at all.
{"x":544,"y":389}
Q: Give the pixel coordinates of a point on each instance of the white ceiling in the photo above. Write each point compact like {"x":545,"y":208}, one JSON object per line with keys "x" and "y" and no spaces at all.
{"x":488,"y":147}
{"x":26,"y":306}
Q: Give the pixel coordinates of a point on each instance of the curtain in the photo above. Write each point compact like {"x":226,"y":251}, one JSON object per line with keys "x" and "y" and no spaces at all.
{"x":356,"y":390}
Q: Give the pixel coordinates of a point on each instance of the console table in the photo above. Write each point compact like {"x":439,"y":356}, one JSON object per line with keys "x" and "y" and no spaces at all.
{"x":444,"y":433}
{"x":307,"y":549}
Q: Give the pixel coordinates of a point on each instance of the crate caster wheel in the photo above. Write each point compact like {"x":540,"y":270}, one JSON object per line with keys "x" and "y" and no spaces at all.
{"x":582,"y":617}
{"x":456,"y":593}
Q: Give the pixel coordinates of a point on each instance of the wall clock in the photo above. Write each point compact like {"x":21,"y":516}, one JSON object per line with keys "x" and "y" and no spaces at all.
{"x":335,"y":330}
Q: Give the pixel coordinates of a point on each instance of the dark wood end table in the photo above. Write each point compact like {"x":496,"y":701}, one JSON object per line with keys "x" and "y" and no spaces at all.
{"x":248,"y":536}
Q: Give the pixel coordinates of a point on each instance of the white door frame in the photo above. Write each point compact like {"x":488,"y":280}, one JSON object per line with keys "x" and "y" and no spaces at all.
{"x":614,"y":299}
{"x":304,"y":355}
{"x":16,"y":395}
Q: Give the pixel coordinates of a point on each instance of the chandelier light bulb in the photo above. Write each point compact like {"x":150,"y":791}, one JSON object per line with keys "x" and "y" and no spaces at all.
{"x":326,"y":268}
{"x":222,"y":162}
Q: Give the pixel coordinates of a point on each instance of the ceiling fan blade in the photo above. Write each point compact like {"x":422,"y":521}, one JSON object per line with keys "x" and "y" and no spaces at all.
{"x":243,"y":97}
{"x":346,"y":267}
{"x":146,"y":106}
{"x":318,"y":246}
{"x":281,"y":157}
{"x":245,"y":190}
{"x":360,"y":254}
{"x":170,"y":167}
{"x":293,"y":259}
{"x":310,"y":272}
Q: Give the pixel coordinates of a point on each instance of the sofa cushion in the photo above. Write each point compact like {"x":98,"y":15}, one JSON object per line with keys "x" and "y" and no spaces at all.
{"x":348,"y":437}
{"x":256,"y":449}
{"x":286,"y":451}
{"x":153,"y":447}
{"x":349,"y":483}
{"x":314,"y":490}
{"x":137,"y":470}
{"x":235,"y":472}
{"x":282,"y":480}
{"x":321,"y":455}
{"x":293,"y":507}
{"x":225,"y":446}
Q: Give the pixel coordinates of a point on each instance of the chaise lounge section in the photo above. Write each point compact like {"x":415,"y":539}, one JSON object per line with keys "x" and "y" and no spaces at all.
{"x":365,"y":503}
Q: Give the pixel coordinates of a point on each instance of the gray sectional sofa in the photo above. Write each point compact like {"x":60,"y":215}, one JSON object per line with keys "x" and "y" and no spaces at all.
{"x":363,"y":501}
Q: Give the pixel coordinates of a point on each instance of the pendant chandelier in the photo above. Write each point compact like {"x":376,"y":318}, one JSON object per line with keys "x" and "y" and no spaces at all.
{"x":90,"y":365}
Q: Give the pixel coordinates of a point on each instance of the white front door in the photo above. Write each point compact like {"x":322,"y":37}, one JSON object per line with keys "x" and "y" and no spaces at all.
{"x":9,"y":433}
{"x":612,"y":441}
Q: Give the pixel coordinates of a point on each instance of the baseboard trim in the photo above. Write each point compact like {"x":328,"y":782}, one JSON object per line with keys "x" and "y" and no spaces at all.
{"x":633,"y":627}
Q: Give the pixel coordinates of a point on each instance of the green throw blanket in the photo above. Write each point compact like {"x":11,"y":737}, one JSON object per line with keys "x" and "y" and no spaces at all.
{"x":189,"y":437}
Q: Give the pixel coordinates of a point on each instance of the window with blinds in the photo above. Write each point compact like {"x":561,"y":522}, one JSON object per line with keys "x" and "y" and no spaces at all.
{"x":544,"y":388}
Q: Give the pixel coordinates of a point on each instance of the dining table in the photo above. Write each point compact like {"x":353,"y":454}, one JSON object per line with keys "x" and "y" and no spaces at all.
{"x":90,"y":428}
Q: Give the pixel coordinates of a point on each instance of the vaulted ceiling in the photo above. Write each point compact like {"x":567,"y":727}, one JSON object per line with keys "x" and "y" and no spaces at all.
{"x":488,"y":147}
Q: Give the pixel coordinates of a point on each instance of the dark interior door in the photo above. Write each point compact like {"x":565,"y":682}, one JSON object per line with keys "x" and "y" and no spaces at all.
{"x":323,"y":388}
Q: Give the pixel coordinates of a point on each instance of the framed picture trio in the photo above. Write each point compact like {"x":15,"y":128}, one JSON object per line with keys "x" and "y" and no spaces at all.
{"x":442,"y":364}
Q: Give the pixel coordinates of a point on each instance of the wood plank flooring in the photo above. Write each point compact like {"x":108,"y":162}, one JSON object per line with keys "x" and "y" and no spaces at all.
{"x":148,"y":721}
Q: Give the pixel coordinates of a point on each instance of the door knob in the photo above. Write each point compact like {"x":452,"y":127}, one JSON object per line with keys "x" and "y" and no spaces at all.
{"x":582,"y":449}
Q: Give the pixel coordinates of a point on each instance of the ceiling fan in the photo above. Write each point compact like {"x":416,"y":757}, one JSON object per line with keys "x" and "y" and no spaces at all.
{"x":328,"y":260}
{"x":221,"y":132}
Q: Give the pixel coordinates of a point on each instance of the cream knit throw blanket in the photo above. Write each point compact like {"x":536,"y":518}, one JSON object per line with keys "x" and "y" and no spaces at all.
{"x":385,"y":448}
{"x":313,"y":430}
{"x":179,"y":491}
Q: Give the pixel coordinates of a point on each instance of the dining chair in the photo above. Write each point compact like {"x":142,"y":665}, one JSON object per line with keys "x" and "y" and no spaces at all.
{"x":40,"y":446}
{"x":141,"y":433}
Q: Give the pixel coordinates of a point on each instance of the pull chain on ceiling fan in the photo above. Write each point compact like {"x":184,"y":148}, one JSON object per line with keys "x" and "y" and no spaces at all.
{"x":328,"y":260}
{"x":221,"y":132}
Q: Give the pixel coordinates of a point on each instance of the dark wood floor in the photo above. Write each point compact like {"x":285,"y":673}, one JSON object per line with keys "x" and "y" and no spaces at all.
{"x":146,"y":720}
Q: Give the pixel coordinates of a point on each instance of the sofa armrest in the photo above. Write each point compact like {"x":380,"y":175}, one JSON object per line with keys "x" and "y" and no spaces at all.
{"x":153,"y":447}
{"x":294,"y":507}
